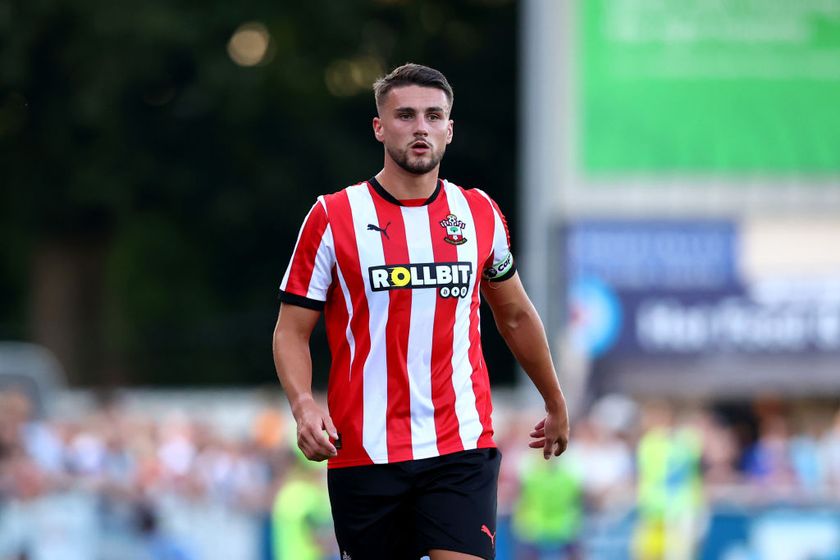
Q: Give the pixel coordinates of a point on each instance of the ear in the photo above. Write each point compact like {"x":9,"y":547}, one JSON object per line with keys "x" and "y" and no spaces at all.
{"x":377,"y":128}
{"x":450,"y":131}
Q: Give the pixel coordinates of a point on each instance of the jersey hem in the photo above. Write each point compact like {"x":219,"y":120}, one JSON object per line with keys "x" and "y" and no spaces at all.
{"x":300,"y":301}
{"x":335,"y":464}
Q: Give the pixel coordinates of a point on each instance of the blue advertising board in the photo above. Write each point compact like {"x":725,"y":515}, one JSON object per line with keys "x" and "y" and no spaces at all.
{"x":671,"y":288}
{"x":608,"y":259}
{"x":649,"y":255}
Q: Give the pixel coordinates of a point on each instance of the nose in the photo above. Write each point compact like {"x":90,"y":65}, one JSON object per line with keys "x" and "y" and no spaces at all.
{"x":421,"y":127}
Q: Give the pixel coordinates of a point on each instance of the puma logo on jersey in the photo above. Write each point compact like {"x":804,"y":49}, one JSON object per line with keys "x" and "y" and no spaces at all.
{"x":492,"y":536}
{"x":451,"y":279}
{"x":383,"y":231}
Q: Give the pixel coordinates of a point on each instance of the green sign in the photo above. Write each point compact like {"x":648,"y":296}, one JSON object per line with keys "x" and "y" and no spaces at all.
{"x":709,"y":86}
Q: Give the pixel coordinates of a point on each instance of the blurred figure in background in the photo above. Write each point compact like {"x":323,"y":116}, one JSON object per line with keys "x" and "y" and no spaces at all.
{"x":830,"y":456}
{"x":548,"y":515}
{"x":720,"y":453}
{"x":605,"y":464}
{"x":768,"y":462}
{"x":301,"y":521}
{"x":269,"y":429}
{"x":670,"y":488}
{"x":157,"y":543}
{"x":807,"y":463}
{"x":22,"y":482}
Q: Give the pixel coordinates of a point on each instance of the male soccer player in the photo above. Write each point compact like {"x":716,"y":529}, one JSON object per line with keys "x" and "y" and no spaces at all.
{"x":397,"y":263}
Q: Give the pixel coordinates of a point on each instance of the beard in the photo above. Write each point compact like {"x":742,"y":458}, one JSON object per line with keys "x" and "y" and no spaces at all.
{"x":416,"y":166}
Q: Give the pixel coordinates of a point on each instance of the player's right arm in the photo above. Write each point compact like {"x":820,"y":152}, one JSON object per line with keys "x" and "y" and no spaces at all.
{"x":294,"y":368}
{"x":303,"y":293}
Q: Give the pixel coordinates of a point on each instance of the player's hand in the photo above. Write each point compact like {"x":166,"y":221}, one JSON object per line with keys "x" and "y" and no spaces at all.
{"x":551,"y":434}
{"x":314,"y":430}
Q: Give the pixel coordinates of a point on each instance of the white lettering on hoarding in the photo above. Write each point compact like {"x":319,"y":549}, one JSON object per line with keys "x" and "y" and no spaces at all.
{"x":737,"y":325}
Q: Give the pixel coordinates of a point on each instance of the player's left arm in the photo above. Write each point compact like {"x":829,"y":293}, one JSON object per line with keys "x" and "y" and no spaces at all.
{"x":521,"y":327}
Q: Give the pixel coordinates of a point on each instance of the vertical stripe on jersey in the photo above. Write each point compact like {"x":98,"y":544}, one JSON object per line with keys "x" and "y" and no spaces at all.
{"x":443,"y":393}
{"x":423,"y":310}
{"x":338,"y":310}
{"x":470,"y":427}
{"x":395,"y":250}
{"x":501,"y":235}
{"x":346,"y":404}
{"x":309,"y":251}
{"x":341,"y":389}
{"x":481,"y":382}
{"x":375,"y":365}
{"x":348,"y":332}
{"x":321,"y":277}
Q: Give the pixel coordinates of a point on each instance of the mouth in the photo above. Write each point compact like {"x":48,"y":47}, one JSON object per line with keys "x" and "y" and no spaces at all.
{"x":420,"y":146}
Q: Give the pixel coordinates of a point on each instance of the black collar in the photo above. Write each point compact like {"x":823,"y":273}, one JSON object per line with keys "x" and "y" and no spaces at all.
{"x":390,"y":198}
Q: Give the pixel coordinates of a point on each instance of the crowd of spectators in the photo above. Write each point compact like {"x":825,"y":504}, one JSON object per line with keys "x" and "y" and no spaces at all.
{"x":134,"y":456}
{"x":134,"y":460}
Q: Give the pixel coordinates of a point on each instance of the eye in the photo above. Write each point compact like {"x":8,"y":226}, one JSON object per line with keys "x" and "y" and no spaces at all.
{"x":404,"y":116}
{"x":434,"y":117}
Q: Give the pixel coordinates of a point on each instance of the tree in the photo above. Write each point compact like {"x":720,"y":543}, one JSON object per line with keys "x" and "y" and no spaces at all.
{"x":153,"y":188}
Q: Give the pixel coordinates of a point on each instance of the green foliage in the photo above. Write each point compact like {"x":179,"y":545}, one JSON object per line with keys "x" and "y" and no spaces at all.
{"x":129,"y":124}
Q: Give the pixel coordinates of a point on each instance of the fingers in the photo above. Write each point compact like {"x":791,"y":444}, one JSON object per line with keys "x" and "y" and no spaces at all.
{"x":557,"y":448}
{"x":316,"y":448}
{"x":314,"y":443}
{"x":548,"y":448}
{"x":538,"y":433}
{"x":551,"y":435}
{"x":560,"y":446}
{"x":330,"y":427}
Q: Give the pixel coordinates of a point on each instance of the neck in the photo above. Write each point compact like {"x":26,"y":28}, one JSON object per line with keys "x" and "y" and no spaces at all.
{"x":403,"y":185}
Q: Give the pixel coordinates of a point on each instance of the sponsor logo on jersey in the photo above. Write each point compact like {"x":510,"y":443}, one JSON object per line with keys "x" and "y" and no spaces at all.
{"x":454,"y":230}
{"x":451,"y":279}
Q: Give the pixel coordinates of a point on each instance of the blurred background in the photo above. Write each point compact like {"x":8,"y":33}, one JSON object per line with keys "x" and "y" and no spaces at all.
{"x":670,"y":170}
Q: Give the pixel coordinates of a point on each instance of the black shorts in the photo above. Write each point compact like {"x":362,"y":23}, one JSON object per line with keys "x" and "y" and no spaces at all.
{"x":400,"y":511}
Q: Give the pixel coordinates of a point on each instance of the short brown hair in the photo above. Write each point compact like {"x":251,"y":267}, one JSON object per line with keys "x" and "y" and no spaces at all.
{"x":411,"y":74}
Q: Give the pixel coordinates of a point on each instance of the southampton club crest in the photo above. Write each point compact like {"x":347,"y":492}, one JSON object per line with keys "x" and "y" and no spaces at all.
{"x":454,"y":230}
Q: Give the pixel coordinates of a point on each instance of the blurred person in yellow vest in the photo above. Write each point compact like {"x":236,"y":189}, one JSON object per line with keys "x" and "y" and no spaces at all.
{"x":669,"y":487}
{"x":301,"y":521}
{"x":548,"y":514}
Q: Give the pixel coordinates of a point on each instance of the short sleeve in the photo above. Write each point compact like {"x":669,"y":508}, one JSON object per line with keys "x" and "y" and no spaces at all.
{"x":309,"y":274}
{"x":500,"y":265}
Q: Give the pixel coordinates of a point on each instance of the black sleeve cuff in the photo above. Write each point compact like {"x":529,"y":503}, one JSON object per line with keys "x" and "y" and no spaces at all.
{"x":300,"y":301}
{"x":506,"y":276}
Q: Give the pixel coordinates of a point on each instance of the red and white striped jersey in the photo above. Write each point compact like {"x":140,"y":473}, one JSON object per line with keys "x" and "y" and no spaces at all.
{"x":399,"y":285}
